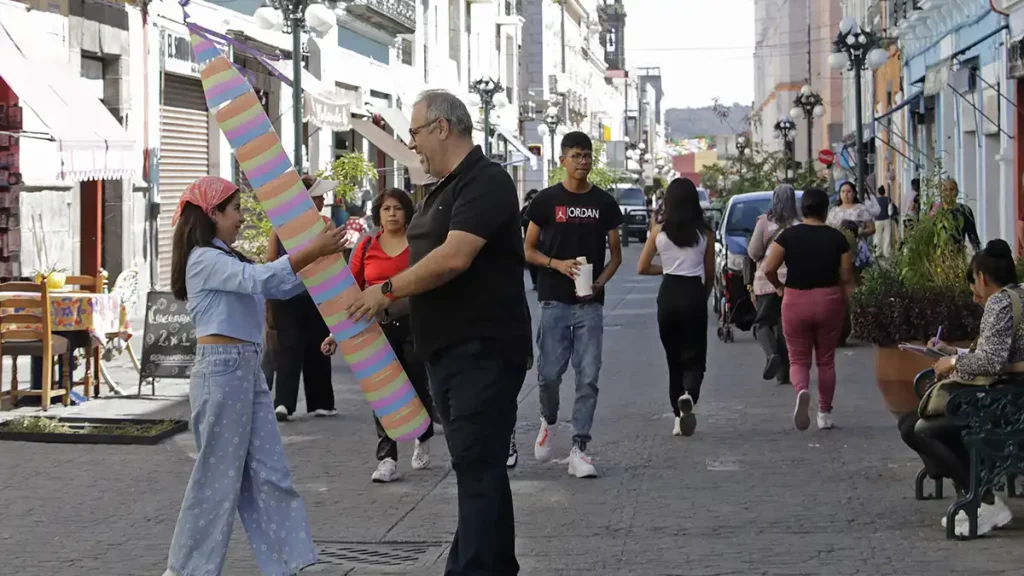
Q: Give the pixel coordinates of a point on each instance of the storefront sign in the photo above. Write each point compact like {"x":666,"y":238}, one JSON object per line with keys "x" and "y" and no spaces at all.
{"x":176,"y":51}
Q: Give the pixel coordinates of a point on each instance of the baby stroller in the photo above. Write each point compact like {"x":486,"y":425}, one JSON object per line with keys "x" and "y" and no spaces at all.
{"x":735,"y":308}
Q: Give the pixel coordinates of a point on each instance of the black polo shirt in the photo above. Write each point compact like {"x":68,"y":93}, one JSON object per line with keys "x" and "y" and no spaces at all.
{"x":488,"y":300}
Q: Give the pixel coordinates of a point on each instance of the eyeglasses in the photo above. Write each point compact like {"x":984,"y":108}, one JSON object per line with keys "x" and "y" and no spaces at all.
{"x":581,"y":158}
{"x":414,"y":132}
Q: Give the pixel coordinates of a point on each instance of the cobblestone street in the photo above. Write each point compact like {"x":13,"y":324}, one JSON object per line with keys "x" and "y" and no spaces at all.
{"x":747,"y":495}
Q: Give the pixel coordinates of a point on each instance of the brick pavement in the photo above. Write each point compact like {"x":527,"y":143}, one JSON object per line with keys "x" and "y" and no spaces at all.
{"x":747,"y":495}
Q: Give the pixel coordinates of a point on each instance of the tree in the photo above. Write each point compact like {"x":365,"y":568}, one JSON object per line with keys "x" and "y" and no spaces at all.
{"x":600,"y":175}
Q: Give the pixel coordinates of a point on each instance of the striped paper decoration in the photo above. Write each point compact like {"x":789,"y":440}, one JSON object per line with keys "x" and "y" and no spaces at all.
{"x":296,"y":221}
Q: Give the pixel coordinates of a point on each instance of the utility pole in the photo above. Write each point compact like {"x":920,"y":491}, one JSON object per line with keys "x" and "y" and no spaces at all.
{"x":561,"y":3}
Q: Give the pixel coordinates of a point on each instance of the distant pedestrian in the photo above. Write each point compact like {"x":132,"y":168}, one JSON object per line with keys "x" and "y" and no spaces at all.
{"x":470,"y":321}
{"x":966,"y":226}
{"x":376,"y":260}
{"x":569,"y":222}
{"x":768,"y":323}
{"x":300,"y":332}
{"x":526,"y":225}
{"x":884,"y":224}
{"x":686,"y":245}
{"x":240,"y":466}
{"x":819,"y":280}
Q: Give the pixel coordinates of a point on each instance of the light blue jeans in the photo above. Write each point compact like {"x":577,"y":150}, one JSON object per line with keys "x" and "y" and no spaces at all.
{"x":576,"y":332}
{"x":240,"y":465}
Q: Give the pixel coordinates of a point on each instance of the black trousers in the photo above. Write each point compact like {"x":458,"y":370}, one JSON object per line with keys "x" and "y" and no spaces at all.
{"x":475,"y":385}
{"x":683,"y":327}
{"x":768,"y":331}
{"x":399,"y":335}
{"x":939,"y":444}
{"x":299,"y":355}
{"x":269,"y":362}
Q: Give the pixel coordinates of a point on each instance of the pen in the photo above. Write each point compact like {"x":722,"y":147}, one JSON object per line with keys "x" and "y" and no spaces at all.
{"x":938,"y":336}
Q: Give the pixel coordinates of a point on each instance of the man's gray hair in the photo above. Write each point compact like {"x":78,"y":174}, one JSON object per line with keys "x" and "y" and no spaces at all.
{"x":444,"y":104}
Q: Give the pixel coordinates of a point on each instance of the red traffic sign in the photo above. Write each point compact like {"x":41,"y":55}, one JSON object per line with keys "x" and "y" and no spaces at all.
{"x":826,"y":157}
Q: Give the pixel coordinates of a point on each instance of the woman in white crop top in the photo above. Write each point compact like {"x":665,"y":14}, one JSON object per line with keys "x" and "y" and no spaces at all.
{"x":684,"y":242}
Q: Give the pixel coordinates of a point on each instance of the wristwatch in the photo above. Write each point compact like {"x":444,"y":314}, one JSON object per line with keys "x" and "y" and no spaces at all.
{"x":385,"y":289}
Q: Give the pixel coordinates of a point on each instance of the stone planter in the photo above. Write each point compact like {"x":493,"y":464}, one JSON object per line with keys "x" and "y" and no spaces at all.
{"x":895,"y":371}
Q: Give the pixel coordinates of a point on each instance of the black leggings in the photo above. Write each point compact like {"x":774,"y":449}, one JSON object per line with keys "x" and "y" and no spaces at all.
{"x":399,"y":336}
{"x":768,"y":331}
{"x":939,"y":443}
{"x":683,"y":327}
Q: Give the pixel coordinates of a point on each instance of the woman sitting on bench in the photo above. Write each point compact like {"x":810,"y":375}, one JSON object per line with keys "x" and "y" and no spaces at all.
{"x":999,"y":350}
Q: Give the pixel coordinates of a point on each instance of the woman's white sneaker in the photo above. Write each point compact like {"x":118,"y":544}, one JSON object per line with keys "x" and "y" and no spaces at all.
{"x":676,"y":430}
{"x":825,"y":421}
{"x":580,"y":465}
{"x":513,"y":452}
{"x":281,"y":413}
{"x":387,"y":471}
{"x":542,"y":447}
{"x":687,"y":419}
{"x":990,"y":517}
{"x":421,"y":455}
{"x":801,"y":414}
{"x":322,"y":413}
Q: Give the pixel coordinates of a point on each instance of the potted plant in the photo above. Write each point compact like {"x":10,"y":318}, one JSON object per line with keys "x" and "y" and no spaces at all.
{"x":909,"y":297}
{"x":55,"y":277}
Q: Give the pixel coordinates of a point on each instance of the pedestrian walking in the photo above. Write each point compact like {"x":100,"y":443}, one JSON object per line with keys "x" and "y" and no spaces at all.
{"x":375,"y":260}
{"x":526,"y":225}
{"x":301,"y":331}
{"x":570,"y":224}
{"x":819,"y":279}
{"x":240,"y":463}
{"x":685,"y":243}
{"x":966,"y":226}
{"x":884,"y":223}
{"x":768,"y":322}
{"x":470,"y":321}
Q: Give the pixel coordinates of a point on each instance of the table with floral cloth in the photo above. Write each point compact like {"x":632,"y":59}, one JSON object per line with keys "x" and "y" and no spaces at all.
{"x":99,"y":314}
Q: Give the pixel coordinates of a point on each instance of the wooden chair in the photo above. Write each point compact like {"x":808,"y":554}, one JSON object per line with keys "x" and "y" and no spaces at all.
{"x":28,"y":332}
{"x":94,"y":349}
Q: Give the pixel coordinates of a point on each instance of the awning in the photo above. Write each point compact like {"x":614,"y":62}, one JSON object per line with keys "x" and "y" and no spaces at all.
{"x":88,"y":142}
{"x":396,"y":150}
{"x":397,"y":120}
{"x":906,"y":102}
{"x":519,"y":146}
{"x":322,"y":105}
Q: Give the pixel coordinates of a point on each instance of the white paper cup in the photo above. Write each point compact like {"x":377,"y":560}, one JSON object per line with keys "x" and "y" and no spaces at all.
{"x":585,"y":280}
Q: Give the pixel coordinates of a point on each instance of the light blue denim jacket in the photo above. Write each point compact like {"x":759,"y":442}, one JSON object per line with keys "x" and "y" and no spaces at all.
{"x":227,"y":296}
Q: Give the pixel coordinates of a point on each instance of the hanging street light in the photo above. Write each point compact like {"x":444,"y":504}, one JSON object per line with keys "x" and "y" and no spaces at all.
{"x":296,"y":17}
{"x":492,"y":96}
{"x":551,"y":125}
{"x":858,"y":50}
{"x":785,"y":129}
{"x":810,"y":105}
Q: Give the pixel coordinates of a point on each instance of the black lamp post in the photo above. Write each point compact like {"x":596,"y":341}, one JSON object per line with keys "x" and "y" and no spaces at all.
{"x":292,"y":16}
{"x":859,"y":50}
{"x":785,"y":129}
{"x":487,"y":88}
{"x":810,"y":105}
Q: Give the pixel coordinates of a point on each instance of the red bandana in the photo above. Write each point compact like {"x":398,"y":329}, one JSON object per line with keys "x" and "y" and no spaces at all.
{"x":207,"y":193}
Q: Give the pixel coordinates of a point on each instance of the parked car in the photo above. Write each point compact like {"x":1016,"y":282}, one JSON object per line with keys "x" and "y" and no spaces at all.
{"x":705,"y":199}
{"x":635,"y":213}
{"x":731,"y":297}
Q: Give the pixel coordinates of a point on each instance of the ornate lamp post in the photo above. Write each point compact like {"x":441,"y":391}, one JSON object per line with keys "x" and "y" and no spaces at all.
{"x":552,"y":124}
{"x":741,"y":145}
{"x":296,"y":17}
{"x":492,"y":96}
{"x":785,"y":129}
{"x":857,"y":49}
{"x":808,"y":104}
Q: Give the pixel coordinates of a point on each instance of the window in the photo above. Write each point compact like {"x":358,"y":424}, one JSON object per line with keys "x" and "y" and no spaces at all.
{"x":92,"y":73}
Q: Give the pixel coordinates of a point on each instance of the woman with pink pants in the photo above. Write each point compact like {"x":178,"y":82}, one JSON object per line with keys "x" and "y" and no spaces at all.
{"x":819,"y":281}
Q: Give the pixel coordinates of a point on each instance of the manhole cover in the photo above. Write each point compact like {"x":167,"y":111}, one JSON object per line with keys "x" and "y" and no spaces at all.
{"x":379,"y":554}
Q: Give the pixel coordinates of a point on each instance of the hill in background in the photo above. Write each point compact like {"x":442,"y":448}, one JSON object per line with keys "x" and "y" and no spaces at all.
{"x":683,"y":123}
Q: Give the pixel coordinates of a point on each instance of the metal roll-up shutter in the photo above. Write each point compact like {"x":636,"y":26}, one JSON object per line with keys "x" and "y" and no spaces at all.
{"x":184,"y":155}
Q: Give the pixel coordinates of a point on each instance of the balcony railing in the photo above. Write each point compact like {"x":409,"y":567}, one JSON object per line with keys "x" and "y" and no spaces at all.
{"x":391,"y":16}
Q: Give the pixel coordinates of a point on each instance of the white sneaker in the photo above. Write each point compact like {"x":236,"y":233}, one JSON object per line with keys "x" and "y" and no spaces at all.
{"x":281,"y":413}
{"x":990,"y":516}
{"x":169,"y":573}
{"x":321,"y":413}
{"x":801,"y":416}
{"x":825,"y":421}
{"x":579,"y":464}
{"x":542,"y":447}
{"x":676,"y":430}
{"x":387,"y":471}
{"x":513,"y":452}
{"x":421,"y":455}
{"x":687,"y":420}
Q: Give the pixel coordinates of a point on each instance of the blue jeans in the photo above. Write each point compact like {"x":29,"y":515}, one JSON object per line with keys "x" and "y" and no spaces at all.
{"x":576,"y":332}
{"x":240,"y":466}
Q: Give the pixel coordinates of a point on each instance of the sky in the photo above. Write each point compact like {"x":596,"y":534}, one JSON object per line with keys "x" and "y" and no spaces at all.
{"x":705,"y":48}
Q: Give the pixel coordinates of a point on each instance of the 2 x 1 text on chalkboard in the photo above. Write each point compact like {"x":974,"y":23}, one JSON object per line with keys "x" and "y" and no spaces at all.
{"x":169,"y":340}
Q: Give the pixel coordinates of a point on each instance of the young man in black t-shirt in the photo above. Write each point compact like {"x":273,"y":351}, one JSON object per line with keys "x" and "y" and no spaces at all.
{"x":569,"y":221}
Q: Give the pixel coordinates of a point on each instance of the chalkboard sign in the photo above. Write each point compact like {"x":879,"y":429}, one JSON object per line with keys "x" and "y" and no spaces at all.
{"x":169,"y":340}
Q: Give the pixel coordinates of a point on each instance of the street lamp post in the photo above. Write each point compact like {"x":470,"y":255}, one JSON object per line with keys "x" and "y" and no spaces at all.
{"x":859,"y":50}
{"x":551,"y":123}
{"x":785,"y":129}
{"x":810,"y":105}
{"x":296,"y":17}
{"x":492,"y":95}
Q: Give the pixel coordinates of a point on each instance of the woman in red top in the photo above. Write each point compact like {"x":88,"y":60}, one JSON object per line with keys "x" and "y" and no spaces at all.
{"x":375,"y":260}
